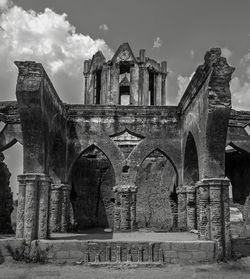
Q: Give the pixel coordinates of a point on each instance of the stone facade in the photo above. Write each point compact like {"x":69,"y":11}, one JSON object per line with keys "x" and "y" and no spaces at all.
{"x":124,"y":159}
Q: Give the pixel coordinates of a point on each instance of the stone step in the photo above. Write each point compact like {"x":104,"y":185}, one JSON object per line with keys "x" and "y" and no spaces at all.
{"x":111,"y":252}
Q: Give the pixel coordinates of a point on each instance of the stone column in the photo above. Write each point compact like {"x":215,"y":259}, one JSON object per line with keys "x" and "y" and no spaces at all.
{"x":163,"y":89}
{"x":55,"y":194}
{"x":134,"y":85}
{"x":125,"y":207}
{"x":158,"y":89}
{"x":204,"y":211}
{"x":220,"y":215}
{"x":182,"y":209}
{"x":105,"y":84}
{"x":86,"y":79}
{"x":44,"y":187}
{"x":133,"y":208}
{"x":143,"y":86}
{"x":125,"y":210}
{"x":117,"y":209}
{"x":114,"y":84}
{"x":65,"y":207}
{"x":197,"y":199}
{"x":214,"y":208}
{"x":21,"y":206}
{"x":191,"y":208}
{"x":31,"y":205}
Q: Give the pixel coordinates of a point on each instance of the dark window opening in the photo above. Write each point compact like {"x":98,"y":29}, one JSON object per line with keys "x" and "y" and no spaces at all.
{"x":152,"y":88}
{"x":98,"y":87}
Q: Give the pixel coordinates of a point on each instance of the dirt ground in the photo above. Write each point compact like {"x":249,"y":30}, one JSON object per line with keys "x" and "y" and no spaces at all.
{"x":239,"y":269}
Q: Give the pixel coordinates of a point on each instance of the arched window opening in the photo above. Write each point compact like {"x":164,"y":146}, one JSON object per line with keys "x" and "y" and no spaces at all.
{"x":97,"y":88}
{"x":191,"y":167}
{"x":152,"y":95}
{"x":156,"y":207}
{"x":124,"y":84}
{"x":11,"y":165}
{"x":92,"y":179}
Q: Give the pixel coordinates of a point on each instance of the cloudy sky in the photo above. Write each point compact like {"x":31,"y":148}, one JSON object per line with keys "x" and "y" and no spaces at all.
{"x":61,"y":34}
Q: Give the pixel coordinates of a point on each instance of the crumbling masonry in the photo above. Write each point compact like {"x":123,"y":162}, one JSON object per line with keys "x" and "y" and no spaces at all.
{"x":124,"y":159}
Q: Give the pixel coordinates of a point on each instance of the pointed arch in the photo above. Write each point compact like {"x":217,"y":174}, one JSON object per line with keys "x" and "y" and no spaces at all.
{"x":191,"y":161}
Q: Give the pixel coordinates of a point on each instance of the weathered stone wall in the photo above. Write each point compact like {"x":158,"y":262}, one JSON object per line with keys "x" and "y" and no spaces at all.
{"x":155,"y":181}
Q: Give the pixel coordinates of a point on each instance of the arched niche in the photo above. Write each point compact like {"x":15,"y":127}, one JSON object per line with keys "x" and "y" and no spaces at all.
{"x":92,"y":180}
{"x":11,"y":166}
{"x":191,"y":165}
{"x":156,"y":206}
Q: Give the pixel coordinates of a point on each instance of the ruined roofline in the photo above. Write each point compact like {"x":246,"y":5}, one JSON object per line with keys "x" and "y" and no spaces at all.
{"x":214,"y":67}
{"x":99,"y":59}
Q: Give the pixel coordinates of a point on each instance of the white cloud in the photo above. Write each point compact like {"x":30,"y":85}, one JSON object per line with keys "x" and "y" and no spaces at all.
{"x":226,"y":52}
{"x":4,"y":4}
{"x":48,"y":38}
{"x":104,"y":27}
{"x":240,"y":94}
{"x":182,"y":82}
{"x":157,"y":42}
{"x":192,"y":54}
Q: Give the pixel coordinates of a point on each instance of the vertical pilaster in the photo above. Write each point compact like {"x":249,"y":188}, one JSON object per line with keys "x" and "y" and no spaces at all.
{"x":133,"y":209}
{"x":55,"y":194}
{"x":214,"y":210}
{"x":143,"y":86}
{"x":204,"y":210}
{"x":182,"y":209}
{"x":197,"y":197}
{"x":134,"y":85}
{"x":114,"y":84}
{"x":31,"y":205}
{"x":86,"y":80}
{"x":158,"y":89}
{"x":191,"y":208}
{"x":21,"y":206}
{"x":163,"y":89}
{"x":65,"y":207}
{"x":125,"y":207}
{"x":125,"y":210}
{"x":44,"y":186}
{"x":105,"y":83}
{"x":117,"y":215}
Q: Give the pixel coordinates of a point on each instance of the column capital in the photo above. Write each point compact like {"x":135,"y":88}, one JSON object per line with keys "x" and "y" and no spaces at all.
{"x":126,"y":188}
{"x":213,"y":182}
{"x":65,"y":187}
{"x":181,"y":190}
{"x":21,"y":178}
{"x":190,"y":189}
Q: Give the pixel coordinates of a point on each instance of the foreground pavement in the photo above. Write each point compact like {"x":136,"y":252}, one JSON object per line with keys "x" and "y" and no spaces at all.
{"x":239,"y":269}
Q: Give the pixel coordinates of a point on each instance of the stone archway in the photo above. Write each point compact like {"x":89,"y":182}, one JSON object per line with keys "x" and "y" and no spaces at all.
{"x":156,"y":206}
{"x":92,"y":180}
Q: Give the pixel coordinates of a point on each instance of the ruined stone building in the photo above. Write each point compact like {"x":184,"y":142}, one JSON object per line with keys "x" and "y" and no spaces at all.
{"x":124,"y":159}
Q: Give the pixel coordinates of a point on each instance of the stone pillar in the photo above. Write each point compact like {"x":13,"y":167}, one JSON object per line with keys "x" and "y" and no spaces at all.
{"x":215,"y":214}
{"x":44,"y":187}
{"x":191,"y":208}
{"x":117,"y":209}
{"x":21,"y":206}
{"x":105,"y":84}
{"x":65,"y":207}
{"x":114,"y":85}
{"x":134,"y":85}
{"x":163,"y":89}
{"x":158,"y":89}
{"x":125,"y":207}
{"x":86,"y":79}
{"x":31,"y":206}
{"x":55,"y":195}
{"x":204,"y":211}
{"x":143,"y":86}
{"x":182,"y":209}
{"x":133,"y":208}
{"x":197,"y":199}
